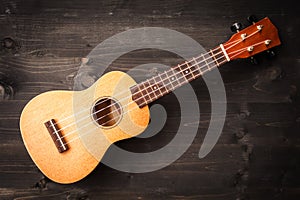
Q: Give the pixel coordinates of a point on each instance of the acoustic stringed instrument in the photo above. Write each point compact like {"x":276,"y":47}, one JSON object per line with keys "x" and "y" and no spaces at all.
{"x":67,"y":145}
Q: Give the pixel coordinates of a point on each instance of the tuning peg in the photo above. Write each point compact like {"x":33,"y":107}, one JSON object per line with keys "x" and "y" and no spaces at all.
{"x":236,"y":27}
{"x":252,"y":19}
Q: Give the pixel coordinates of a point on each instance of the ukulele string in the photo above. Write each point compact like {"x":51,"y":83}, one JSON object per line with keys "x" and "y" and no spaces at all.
{"x":240,"y":52}
{"x":132,"y":103}
{"x":240,"y":40}
{"x":119,"y":94}
{"x":76,"y":138}
{"x":209,"y":69}
{"x":125,"y":98}
{"x":235,"y":41}
{"x":226,"y":44}
{"x":159,"y":88}
{"x":246,"y":48}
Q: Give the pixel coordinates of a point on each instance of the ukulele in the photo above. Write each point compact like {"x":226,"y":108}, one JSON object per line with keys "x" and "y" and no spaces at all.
{"x":66,"y":145}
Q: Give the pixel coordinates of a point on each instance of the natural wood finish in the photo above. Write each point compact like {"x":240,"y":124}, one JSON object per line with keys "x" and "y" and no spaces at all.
{"x":253,"y":38}
{"x":83,"y":154}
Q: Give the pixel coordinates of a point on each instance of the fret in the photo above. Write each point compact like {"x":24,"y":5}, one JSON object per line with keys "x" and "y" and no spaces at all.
{"x":146,"y":100}
{"x":149,"y":89}
{"x":206,"y":64}
{"x":185,"y":72}
{"x":203,"y":68}
{"x":179,"y":77}
{"x":213,"y":56}
{"x":163,"y":90}
{"x":137,"y":96}
{"x":173,"y":78}
{"x":154,"y":88}
{"x":190,"y":70}
{"x":219,"y":55}
{"x":210,"y":61}
{"x":178,"y":73}
{"x":167,"y":81}
{"x":196,"y":66}
{"x":157,"y":88}
{"x":163,"y":83}
{"x":144,"y":92}
{"x":180,"y":70}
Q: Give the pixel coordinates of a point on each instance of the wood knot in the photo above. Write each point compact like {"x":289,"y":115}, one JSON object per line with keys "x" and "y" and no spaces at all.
{"x":9,"y":45}
{"x":6,"y":91}
{"x":242,"y":115}
{"x":42,"y":184}
{"x":240,"y":133}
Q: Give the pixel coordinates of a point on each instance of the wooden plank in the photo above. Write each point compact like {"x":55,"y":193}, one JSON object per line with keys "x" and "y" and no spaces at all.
{"x":41,"y":47}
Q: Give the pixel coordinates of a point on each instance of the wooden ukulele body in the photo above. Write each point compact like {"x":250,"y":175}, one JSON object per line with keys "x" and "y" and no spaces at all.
{"x":86,"y":140}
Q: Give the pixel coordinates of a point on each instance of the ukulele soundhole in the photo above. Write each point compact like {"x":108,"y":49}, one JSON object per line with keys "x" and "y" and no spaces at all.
{"x":107,"y":112}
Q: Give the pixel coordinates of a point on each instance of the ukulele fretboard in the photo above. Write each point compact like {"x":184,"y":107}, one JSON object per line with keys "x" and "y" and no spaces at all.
{"x":167,"y":81}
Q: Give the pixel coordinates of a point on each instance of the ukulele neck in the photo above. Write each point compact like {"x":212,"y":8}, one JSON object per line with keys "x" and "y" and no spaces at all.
{"x":167,"y":81}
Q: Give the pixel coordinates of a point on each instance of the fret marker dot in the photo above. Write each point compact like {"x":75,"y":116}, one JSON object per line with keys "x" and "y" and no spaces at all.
{"x":172,"y":78}
{"x":186,"y":71}
{"x":155,"y":87}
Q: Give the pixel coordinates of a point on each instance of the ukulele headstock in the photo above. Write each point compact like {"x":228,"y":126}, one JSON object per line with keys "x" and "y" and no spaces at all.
{"x":259,"y":37}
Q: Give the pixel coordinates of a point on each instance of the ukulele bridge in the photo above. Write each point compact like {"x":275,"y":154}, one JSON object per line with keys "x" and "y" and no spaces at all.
{"x":56,"y":135}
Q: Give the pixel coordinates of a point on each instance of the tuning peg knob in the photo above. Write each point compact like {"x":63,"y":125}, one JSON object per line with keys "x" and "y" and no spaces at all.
{"x":236,"y":27}
{"x":252,"y":19}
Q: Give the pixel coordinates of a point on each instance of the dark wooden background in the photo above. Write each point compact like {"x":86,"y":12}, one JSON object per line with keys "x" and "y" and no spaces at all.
{"x":258,"y":153}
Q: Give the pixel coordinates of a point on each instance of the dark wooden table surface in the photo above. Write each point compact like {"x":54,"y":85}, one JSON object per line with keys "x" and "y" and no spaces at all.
{"x":258,"y":153}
